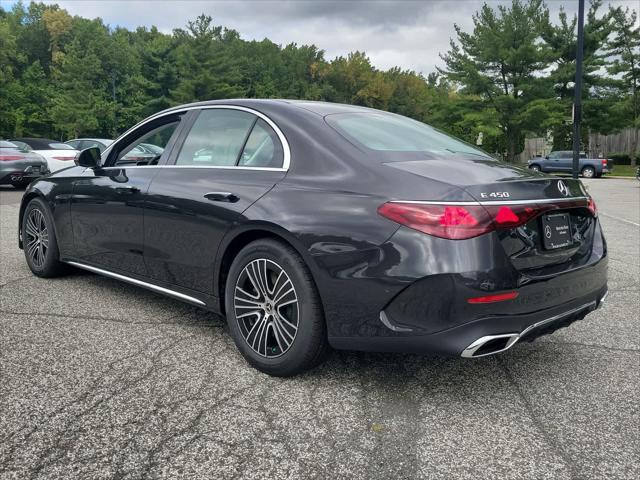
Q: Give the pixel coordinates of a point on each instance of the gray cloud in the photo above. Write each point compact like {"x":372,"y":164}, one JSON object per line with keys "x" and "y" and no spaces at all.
{"x":409,"y":34}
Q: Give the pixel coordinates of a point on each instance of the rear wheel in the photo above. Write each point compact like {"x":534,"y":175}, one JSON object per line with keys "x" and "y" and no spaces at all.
{"x":273,"y":309}
{"x":39,"y":240}
{"x":588,"y":172}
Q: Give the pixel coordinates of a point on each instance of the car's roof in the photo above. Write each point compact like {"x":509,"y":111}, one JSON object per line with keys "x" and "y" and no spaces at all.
{"x":320,"y":108}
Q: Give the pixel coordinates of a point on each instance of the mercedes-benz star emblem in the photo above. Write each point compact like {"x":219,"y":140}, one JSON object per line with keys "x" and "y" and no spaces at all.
{"x":547,"y":231}
{"x":562,"y":188}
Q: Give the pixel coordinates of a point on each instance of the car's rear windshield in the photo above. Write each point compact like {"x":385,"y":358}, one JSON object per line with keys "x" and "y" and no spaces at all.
{"x":387,"y":132}
{"x":4,"y":144}
{"x":60,"y":146}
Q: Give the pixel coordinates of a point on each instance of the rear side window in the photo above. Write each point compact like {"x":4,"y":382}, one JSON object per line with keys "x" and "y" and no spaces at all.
{"x":216,"y":138}
{"x":21,"y":145}
{"x":394,"y":133}
{"x":263,"y":148}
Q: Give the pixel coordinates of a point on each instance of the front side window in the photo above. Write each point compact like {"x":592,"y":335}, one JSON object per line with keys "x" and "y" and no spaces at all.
{"x":147,"y":149}
{"x":216,"y":138}
{"x":394,"y":133}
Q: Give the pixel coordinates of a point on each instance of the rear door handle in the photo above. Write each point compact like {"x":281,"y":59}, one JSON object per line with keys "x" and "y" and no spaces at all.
{"x":127,"y":189}
{"x":221,"y":197}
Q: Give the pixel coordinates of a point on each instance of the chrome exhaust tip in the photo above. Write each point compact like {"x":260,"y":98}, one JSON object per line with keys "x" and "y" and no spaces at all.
{"x":490,"y":345}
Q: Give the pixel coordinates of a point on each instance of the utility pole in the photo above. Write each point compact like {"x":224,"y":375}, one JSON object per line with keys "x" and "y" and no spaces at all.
{"x":577,"y":99}
{"x":115,"y":105}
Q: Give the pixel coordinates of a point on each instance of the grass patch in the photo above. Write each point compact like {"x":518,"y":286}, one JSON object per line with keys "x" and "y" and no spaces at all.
{"x":624,"y":170}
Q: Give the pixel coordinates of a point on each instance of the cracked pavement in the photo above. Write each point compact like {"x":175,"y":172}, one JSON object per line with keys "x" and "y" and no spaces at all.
{"x":100,"y":379}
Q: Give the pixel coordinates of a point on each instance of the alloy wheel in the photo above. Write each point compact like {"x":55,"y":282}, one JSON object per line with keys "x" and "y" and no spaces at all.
{"x":266,"y":308}
{"x":37,"y":241}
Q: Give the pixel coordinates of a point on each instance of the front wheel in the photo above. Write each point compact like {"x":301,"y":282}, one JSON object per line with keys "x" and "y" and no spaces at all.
{"x":273,"y":310}
{"x":588,"y":172}
{"x":534,"y":168}
{"x":39,"y":240}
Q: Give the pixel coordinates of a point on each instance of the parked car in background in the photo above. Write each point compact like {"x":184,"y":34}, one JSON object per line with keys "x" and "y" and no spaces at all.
{"x":58,"y":155}
{"x":311,"y":224}
{"x":561,"y":161}
{"x":19,"y":167}
{"x":84,"y":143}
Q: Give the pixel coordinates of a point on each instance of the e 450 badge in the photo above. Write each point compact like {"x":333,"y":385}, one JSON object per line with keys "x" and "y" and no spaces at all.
{"x":494,"y":195}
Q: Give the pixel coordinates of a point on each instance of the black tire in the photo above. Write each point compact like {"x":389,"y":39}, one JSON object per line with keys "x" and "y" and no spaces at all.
{"x":308,"y":345}
{"x":588,"y":172}
{"x":43,"y":261}
{"x":535,"y":168}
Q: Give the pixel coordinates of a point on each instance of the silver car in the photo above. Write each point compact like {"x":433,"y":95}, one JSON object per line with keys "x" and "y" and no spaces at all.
{"x":19,"y":167}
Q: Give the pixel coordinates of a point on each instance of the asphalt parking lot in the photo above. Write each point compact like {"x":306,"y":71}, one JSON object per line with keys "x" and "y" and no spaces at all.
{"x":100,"y":379}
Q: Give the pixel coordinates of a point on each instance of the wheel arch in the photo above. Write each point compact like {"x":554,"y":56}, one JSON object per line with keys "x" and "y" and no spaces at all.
{"x":26,"y":199}
{"x":236,"y":240}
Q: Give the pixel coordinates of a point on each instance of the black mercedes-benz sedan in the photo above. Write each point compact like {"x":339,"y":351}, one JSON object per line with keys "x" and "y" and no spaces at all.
{"x":311,"y":225}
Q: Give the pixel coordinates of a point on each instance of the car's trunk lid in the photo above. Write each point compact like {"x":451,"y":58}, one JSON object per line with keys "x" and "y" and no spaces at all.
{"x":561,"y":230}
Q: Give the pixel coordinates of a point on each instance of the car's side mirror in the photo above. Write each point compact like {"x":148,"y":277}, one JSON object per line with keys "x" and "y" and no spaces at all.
{"x":89,"y":157}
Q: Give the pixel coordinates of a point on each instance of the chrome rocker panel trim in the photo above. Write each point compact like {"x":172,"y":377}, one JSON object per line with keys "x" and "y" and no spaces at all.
{"x":137,"y":282}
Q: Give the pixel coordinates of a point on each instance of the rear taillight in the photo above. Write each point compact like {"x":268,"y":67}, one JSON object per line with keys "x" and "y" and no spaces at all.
{"x":457,"y":222}
{"x":604,"y":162}
{"x":64,"y":158}
{"x":592,"y":207}
{"x":10,"y":158}
{"x":446,"y":221}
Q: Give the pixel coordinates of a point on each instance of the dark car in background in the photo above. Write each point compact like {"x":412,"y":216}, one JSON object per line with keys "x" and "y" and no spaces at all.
{"x":312,"y":224}
{"x":19,"y":167}
{"x":561,"y":161}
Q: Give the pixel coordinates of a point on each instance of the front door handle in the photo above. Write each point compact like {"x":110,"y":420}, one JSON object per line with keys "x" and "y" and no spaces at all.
{"x":221,"y":197}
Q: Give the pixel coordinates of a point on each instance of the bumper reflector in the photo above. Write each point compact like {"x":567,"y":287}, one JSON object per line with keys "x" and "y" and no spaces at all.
{"x":500,"y":297}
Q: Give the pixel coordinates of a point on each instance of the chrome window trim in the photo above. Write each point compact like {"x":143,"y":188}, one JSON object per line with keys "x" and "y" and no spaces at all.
{"x":135,"y":281}
{"x":286,"y":157}
{"x":496,"y":202}
{"x":224,"y":167}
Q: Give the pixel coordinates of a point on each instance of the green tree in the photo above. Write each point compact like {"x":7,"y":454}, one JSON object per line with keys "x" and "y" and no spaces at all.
{"x":207,"y":70}
{"x":501,"y":61}
{"x":624,"y":49}
{"x":561,"y":38}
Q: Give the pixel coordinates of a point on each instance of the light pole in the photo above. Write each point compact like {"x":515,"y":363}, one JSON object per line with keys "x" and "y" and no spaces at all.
{"x":577,"y":99}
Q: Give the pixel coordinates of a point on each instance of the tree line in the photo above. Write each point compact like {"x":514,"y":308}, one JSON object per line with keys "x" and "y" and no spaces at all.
{"x":64,"y":76}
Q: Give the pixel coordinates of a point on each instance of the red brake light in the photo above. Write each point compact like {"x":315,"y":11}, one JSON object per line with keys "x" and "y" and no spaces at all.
{"x":592,"y":207}
{"x":8,"y":158}
{"x":500,"y":297}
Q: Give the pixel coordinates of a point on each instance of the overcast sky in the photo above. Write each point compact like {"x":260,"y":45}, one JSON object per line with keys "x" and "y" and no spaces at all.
{"x":409,"y":34}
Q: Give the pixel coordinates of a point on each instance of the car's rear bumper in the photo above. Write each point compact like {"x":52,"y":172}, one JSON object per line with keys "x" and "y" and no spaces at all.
{"x":20,"y":173}
{"x":485,"y":336}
